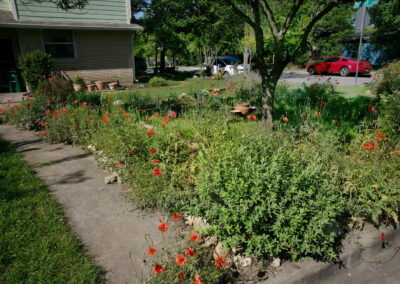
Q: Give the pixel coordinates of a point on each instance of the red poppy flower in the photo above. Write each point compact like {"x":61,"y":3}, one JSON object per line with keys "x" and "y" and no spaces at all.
{"x":126,"y":114}
{"x":371,"y":108}
{"x":106,"y":113}
{"x":56,"y":112}
{"x":197,"y":279}
{"x":190,"y":252}
{"x":118,"y":164}
{"x":220,"y":262}
{"x":215,"y":93}
{"x":285,"y":119}
{"x":163,"y":125}
{"x":129,"y":120}
{"x":109,"y":99}
{"x":150,"y":132}
{"x":176,"y":216}
{"x":370,"y":146}
{"x":179,"y":134}
{"x":28,"y":105}
{"x":195,"y":237}
{"x":380,"y":136}
{"x":395,"y":152}
{"x":84,"y":104}
{"x":166,"y":117}
{"x":151,"y":117}
{"x":153,"y":151}
{"x":157,"y":114}
{"x":173,"y":114}
{"x":47,"y":112}
{"x":158,"y":268}
{"x":252,"y":117}
{"x":230,"y":89}
{"x":41,"y":122}
{"x":151,"y":251}
{"x":65,"y":110}
{"x":44,"y":132}
{"x":132,"y":150}
{"x":104,"y":119}
{"x":50,"y":79}
{"x":75,"y":102}
{"x":165,"y":121}
{"x":2,"y":111}
{"x":156,"y":162}
{"x":181,"y":276}
{"x":163,"y":227}
{"x":157,"y":172}
{"x":180,"y":259}
{"x":321,"y":103}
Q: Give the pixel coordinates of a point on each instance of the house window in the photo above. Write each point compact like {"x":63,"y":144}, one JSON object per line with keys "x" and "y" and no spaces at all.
{"x":59,"y":44}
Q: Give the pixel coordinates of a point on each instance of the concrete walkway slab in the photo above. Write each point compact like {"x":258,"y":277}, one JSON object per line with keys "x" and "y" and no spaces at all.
{"x":100,"y":215}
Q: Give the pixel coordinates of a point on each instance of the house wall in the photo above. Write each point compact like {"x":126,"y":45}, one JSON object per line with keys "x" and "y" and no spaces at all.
{"x":97,"y":11}
{"x":100,"y":55}
{"x":4,"y":5}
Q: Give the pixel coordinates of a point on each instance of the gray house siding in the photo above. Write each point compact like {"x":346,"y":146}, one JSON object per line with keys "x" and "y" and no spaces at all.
{"x":97,"y":11}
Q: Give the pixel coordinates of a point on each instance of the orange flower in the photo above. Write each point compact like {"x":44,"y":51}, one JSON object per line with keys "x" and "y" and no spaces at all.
{"x":129,"y":120}
{"x":84,"y":104}
{"x":370,"y":146}
{"x":285,"y":119}
{"x":190,"y":252}
{"x":118,"y":164}
{"x":318,"y":113}
{"x":395,"y":152}
{"x":220,"y":262}
{"x":181,"y":276}
{"x":157,"y":172}
{"x":195,"y":237}
{"x":180,"y":259}
{"x":151,"y":251}
{"x":380,"y":136}
{"x":163,"y":227}
{"x":106,"y":113}
{"x":156,"y":162}
{"x":176,"y":216}
{"x":179,"y":134}
{"x":158,"y":268}
{"x":105,"y":119}
{"x":197,"y":279}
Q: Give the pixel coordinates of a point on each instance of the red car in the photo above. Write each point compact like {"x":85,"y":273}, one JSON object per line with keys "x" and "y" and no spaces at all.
{"x":339,"y":64}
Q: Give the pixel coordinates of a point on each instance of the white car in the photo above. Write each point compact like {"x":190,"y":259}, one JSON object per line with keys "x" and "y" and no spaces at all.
{"x":227,"y":66}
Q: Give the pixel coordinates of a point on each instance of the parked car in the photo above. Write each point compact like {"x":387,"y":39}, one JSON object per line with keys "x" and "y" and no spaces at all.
{"x":339,"y":64}
{"x":227,"y":65}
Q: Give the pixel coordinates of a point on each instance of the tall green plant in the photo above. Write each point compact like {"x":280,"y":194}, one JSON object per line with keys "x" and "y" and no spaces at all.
{"x":36,"y":66}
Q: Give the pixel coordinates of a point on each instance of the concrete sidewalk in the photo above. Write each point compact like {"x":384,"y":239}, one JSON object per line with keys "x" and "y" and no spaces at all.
{"x":100,"y":215}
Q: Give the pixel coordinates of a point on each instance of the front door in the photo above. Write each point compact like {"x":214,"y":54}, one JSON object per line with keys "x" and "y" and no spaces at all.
{"x":7,"y":62}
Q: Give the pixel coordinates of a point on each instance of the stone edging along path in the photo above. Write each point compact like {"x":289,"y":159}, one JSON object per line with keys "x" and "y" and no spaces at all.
{"x":110,"y":227}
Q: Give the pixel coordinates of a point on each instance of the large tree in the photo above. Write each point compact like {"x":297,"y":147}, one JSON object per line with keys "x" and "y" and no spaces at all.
{"x":289,"y":24}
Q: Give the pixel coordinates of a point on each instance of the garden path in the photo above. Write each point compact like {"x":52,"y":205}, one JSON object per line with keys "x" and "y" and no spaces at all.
{"x":100,"y":215}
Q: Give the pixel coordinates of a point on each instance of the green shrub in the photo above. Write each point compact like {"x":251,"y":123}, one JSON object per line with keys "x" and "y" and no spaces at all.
{"x":56,"y":89}
{"x":217,"y":76}
{"x":271,"y":197}
{"x":36,"y":67}
{"x":79,"y":80}
{"x":158,"y":82}
{"x":389,"y":84}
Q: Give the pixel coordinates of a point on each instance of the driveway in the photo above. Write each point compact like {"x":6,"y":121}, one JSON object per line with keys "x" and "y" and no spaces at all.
{"x":301,"y":76}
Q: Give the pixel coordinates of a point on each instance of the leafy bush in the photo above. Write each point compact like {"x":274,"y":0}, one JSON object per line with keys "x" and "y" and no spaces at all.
{"x":56,"y":89}
{"x":389,"y":83}
{"x":271,"y":197}
{"x":36,"y":67}
{"x":158,"y":82}
{"x":79,"y":80}
{"x":217,"y":76}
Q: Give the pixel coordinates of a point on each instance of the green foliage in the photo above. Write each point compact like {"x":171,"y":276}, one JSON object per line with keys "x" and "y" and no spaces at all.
{"x":35,"y":242}
{"x":56,"y":89}
{"x":36,"y":67}
{"x":273,"y":200}
{"x":158,"y":82}
{"x":389,"y":84}
{"x":79,"y":80}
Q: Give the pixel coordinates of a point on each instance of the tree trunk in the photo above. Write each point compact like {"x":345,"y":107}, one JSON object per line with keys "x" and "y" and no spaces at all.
{"x":162,"y":60}
{"x":156,"y":69}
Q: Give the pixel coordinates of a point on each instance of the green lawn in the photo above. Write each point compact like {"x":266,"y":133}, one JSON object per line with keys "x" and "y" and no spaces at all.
{"x":36,"y":245}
